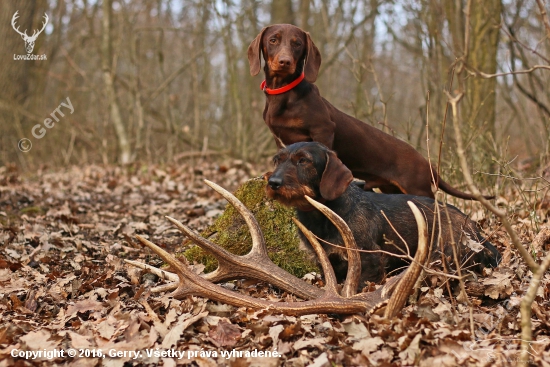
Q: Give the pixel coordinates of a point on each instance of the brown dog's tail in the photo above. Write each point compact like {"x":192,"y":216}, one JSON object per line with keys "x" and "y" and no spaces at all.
{"x":455,"y":192}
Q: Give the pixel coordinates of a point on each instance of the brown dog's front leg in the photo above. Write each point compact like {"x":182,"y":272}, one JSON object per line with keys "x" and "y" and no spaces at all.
{"x":323,"y":133}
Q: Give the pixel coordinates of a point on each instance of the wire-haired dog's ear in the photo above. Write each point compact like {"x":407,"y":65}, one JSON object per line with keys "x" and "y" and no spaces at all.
{"x":336,"y":178}
{"x":254,"y":51}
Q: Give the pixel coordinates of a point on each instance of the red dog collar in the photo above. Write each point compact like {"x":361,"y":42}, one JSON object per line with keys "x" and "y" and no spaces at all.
{"x":284,"y":89}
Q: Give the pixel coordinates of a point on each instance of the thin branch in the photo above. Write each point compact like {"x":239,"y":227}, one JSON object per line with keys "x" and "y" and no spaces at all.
{"x":405,"y":256}
{"x":512,"y":36}
{"x":525,"y":309}
{"x":444,"y":125}
{"x":173,"y":76}
{"x":483,"y":75}
{"x":545,"y":20}
{"x":466,"y":34}
{"x":473,"y":188}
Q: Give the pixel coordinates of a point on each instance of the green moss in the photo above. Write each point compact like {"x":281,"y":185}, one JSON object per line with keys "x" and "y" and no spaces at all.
{"x":275,"y":220}
{"x":10,"y":220}
{"x":31,"y":210}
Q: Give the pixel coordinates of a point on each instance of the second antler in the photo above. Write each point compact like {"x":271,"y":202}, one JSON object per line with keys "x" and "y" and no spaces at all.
{"x":257,"y":265}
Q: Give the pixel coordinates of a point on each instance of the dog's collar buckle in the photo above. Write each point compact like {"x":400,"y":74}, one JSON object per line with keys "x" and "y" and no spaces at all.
{"x":284,"y":89}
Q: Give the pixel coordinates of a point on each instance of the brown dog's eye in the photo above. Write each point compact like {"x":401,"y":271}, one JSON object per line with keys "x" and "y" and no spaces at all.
{"x":273,"y":41}
{"x":303,"y":161}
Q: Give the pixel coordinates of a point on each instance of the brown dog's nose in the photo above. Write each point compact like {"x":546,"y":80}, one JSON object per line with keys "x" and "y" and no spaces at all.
{"x":284,"y":61}
{"x":275,"y":182}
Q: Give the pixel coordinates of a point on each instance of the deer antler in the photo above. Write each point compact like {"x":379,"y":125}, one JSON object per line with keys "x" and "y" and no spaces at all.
{"x":29,"y":40}
{"x":34,"y":33}
{"x":257,"y":265}
{"x":232,"y":266}
{"x":13,"y":19}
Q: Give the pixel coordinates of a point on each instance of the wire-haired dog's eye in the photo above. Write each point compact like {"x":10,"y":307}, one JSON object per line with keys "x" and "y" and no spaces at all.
{"x":303,"y":161}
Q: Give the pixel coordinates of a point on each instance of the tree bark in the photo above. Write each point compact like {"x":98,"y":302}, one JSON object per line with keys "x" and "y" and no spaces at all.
{"x":475,"y":28}
{"x":480,"y":103}
{"x":281,"y":12}
{"x":124,"y":154}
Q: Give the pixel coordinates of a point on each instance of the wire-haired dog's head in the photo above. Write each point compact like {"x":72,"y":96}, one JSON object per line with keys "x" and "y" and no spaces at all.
{"x":307,"y":168}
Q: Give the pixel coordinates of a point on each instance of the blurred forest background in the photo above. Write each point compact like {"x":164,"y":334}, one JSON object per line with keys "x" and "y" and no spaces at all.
{"x":158,"y":81}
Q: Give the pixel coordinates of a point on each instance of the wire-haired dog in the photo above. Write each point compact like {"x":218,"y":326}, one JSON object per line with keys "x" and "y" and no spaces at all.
{"x":311,"y":169}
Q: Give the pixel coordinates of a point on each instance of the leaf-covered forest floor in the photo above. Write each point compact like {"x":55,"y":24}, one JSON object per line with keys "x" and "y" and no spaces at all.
{"x":65,"y":288}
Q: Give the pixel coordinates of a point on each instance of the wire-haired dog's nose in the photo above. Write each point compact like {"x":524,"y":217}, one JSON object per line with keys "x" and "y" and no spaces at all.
{"x":275,"y":182}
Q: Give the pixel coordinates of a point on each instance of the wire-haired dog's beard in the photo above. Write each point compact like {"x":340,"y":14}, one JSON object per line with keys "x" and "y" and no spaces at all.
{"x":291,"y":195}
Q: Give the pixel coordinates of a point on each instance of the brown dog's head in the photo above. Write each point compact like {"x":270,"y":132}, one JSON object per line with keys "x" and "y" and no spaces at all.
{"x":307,"y":168}
{"x":287,"y":50}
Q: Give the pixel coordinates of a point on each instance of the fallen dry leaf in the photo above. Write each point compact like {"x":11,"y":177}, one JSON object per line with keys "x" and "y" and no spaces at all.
{"x":225,"y":334}
{"x":63,"y":283}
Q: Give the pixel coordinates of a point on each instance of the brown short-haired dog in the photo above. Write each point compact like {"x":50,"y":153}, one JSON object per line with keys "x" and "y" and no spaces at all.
{"x":295,"y":112}
{"x":312,"y":169}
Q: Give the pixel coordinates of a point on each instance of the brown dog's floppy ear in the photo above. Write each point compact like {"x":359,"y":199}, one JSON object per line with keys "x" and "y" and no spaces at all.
{"x":313,"y":61}
{"x":336,"y":178}
{"x":254,"y":53}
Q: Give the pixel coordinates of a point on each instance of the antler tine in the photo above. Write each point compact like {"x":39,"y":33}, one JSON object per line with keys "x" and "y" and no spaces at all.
{"x":44,"y":23}
{"x":330,"y":277}
{"x":36,"y":33}
{"x":193,"y":284}
{"x":410,"y":276}
{"x":354,"y":259}
{"x":221,"y":254}
{"x":255,"y":265}
{"x":158,"y":272}
{"x":258,"y":241}
{"x":13,"y":19}
{"x":173,"y":278}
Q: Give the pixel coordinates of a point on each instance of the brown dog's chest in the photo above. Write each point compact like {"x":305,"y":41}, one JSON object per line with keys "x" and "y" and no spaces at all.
{"x":287,"y":126}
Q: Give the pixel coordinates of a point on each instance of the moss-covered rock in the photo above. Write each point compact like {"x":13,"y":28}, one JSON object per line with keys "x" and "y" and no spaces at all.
{"x":275,"y":220}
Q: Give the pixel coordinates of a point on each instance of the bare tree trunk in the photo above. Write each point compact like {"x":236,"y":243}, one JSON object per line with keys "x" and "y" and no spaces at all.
{"x":200,"y":71}
{"x":281,"y":12}
{"x":475,"y":31}
{"x":17,"y":76}
{"x":480,"y":102}
{"x":139,"y":118}
{"x":124,"y":154}
{"x":14,"y":75}
{"x":304,"y":13}
{"x":437,"y":73}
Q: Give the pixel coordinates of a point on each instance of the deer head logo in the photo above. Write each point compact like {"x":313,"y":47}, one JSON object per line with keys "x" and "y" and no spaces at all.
{"x":29,"y":41}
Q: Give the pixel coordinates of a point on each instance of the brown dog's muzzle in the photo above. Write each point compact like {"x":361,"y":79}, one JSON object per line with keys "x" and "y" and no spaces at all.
{"x":283,"y":63}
